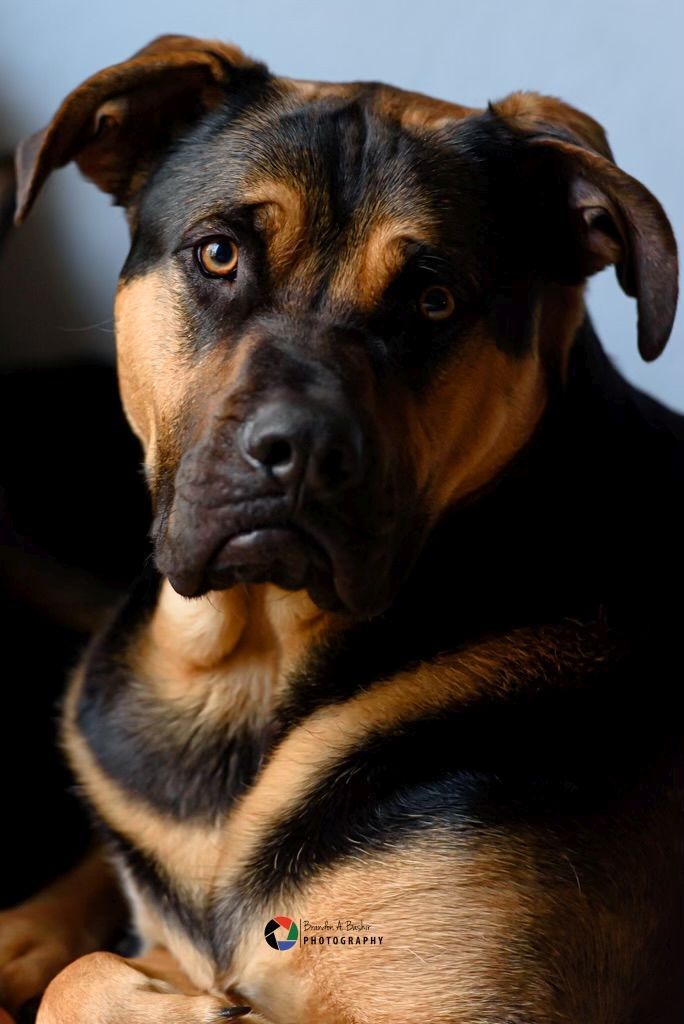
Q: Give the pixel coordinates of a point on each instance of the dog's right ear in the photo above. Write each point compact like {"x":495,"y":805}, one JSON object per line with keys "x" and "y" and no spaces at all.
{"x":590,"y":213}
{"x":118,"y":122}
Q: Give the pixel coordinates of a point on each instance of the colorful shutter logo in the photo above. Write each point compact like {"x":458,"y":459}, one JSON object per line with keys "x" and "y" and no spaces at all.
{"x":281,"y":933}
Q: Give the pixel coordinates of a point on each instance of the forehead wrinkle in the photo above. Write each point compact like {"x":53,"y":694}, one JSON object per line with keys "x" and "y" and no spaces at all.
{"x":357,"y":249}
{"x":333,"y":149}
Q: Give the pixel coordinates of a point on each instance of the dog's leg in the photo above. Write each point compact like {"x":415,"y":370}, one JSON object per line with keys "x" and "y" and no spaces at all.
{"x":75,"y":915}
{"x":103,"y":988}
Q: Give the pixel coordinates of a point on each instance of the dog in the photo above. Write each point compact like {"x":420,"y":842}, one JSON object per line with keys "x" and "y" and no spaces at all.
{"x":387,"y":728}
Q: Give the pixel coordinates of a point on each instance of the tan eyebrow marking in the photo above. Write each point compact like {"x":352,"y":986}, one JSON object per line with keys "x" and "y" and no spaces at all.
{"x":281,"y":214}
{"x":372,"y":260}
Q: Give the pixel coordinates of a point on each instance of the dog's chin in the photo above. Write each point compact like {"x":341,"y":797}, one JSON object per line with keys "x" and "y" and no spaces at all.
{"x":286,"y":557}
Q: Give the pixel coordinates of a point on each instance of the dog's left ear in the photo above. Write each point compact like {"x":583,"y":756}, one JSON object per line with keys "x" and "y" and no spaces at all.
{"x":118,"y":122}
{"x":593,"y":213}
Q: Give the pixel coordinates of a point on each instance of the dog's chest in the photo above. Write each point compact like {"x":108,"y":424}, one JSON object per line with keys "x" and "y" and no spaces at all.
{"x":168,"y":780}
{"x":198,"y":834}
{"x":186,"y":760}
{"x":171,"y":754}
{"x":179,"y":717}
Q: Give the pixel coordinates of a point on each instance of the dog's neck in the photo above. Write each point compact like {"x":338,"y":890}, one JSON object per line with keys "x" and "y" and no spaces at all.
{"x":255,"y":631}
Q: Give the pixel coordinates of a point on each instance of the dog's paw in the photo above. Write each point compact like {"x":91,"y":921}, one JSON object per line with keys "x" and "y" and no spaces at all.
{"x":35,"y":945}
{"x":103,"y":988}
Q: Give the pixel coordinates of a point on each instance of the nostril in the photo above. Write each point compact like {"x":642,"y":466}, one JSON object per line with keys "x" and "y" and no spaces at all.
{"x":337,"y":465}
{"x":275,"y":440}
{"x":276,"y":453}
{"x":304,"y":447}
{"x":264,"y":446}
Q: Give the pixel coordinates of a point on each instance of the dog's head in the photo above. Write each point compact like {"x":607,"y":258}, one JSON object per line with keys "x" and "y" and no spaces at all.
{"x":344,"y":305}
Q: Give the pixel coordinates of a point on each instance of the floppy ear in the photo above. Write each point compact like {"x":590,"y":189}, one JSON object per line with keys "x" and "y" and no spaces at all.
{"x":117,"y":122}
{"x":594,"y":213}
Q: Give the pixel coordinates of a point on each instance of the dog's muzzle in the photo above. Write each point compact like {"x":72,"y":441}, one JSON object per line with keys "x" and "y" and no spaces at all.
{"x":307,"y":454}
{"x":291,"y":494}
{"x":294,"y":480}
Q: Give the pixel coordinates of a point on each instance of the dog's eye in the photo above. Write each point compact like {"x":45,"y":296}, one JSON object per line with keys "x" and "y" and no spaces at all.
{"x":436,"y":302}
{"x":218,"y":257}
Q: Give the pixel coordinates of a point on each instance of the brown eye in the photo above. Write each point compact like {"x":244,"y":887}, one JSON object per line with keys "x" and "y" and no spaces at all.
{"x":436,"y":302}
{"x":218,"y":257}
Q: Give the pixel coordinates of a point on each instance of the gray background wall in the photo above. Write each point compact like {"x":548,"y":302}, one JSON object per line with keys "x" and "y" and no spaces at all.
{"x":621,"y":60}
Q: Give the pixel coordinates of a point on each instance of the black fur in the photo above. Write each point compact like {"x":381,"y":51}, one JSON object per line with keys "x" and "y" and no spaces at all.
{"x":546,"y":757}
{"x":175,"y":905}
{"x":152,"y":750}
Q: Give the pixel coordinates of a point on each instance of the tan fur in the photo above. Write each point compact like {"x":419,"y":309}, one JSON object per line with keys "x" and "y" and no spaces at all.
{"x":390,"y":893}
{"x":282,"y":217}
{"x":246,"y":639}
{"x":455,"y":919}
{"x":148,"y":327}
{"x":478,"y":413}
{"x":164,"y":392}
{"x":496,"y":925}
{"x":460,"y":921}
{"x":415,"y":111}
{"x":124,"y":101}
{"x":532,"y":112}
{"x":158,"y":933}
{"x":374,"y":253}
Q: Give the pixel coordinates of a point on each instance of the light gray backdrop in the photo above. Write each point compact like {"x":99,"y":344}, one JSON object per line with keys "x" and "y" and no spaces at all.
{"x":621,"y":60}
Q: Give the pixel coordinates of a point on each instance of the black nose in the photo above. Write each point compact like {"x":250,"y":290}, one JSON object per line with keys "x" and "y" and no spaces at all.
{"x":303,"y":444}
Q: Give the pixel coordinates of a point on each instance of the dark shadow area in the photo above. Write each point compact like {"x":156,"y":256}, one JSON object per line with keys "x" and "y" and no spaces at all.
{"x":73,"y":524}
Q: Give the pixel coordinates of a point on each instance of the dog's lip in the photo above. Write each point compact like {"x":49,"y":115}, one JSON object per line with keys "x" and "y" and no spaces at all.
{"x":259,"y":543}
{"x":291,"y":553}
{"x":280,"y":553}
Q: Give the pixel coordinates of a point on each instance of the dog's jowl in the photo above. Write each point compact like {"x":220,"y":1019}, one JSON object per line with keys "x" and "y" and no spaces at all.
{"x":387,"y":731}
